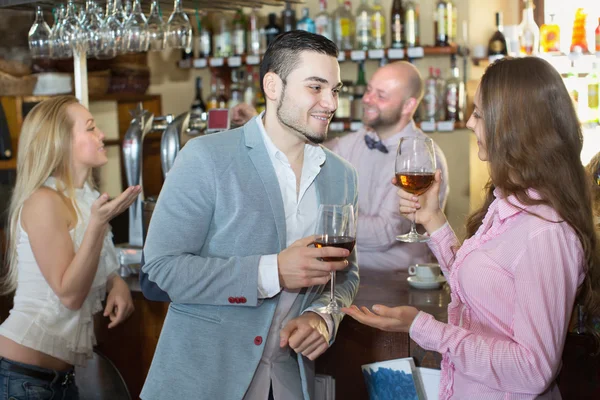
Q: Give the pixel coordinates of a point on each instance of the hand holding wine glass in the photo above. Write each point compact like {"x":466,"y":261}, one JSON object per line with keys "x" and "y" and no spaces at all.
{"x":336,"y":227}
{"x":414,"y":173}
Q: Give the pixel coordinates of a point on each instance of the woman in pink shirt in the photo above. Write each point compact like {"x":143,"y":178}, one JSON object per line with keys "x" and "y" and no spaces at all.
{"x":531,"y":249}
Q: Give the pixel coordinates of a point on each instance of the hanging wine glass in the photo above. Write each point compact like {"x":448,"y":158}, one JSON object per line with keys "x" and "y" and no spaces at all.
{"x":179,"y":28}
{"x":136,"y":30}
{"x":70,"y":31}
{"x":39,"y":36}
{"x":156,"y":28}
{"x":111,"y":34}
{"x":91,"y":28}
{"x":57,"y":46}
{"x":119,"y":15}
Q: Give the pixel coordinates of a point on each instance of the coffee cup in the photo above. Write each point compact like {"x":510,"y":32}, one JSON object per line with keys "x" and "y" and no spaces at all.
{"x":425,"y":272}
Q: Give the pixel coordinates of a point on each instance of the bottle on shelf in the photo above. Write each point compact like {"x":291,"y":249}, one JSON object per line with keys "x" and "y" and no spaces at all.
{"x":249,"y":90}
{"x":440,"y":91}
{"x":597,"y":33}
{"x":593,"y":88}
{"x":378,"y":26}
{"x":187,"y":54}
{"x":497,"y":45}
{"x":363,"y":25}
{"x":441,"y":25}
{"x":288,"y":18}
{"x":430,"y":98}
{"x":198,"y":108}
{"x":239,"y":33}
{"x":578,"y":39}
{"x":529,"y":33}
{"x":342,"y":114}
{"x":454,"y":95}
{"x":343,"y":27}
{"x":323,"y":22}
{"x":222,"y":99}
{"x":572,"y":85}
{"x":254,"y":40}
{"x":411,"y":24}
{"x":272,"y":29}
{"x":237,"y":94}
{"x":453,"y":20}
{"x":222,"y":36}
{"x":212,"y":102}
{"x":306,"y":23}
{"x":397,"y":25}
{"x":204,"y":38}
{"x":360,"y":86}
{"x":550,"y":37}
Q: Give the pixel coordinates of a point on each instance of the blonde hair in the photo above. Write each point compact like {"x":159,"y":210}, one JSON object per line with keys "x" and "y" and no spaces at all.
{"x":44,"y":151}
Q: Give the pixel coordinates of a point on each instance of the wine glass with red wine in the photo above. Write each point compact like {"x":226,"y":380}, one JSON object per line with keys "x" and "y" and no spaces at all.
{"x":415,"y":173}
{"x":336,"y":227}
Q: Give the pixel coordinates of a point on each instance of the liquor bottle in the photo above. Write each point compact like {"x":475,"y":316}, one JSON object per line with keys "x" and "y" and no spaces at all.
{"x":529,"y":33}
{"x":342,"y":114}
{"x":363,"y":25}
{"x":212,"y":101}
{"x":578,"y":39}
{"x":430,"y":97}
{"x":453,"y":20}
{"x":397,"y":25}
{"x":441,"y":24}
{"x":288,"y":17}
{"x":359,"y":91}
{"x":597,"y":32}
{"x":222,"y":99}
{"x":204,"y":49}
{"x":572,"y":84}
{"x":343,"y":27}
{"x":306,"y":23}
{"x":550,"y":37}
{"x":497,"y":45}
{"x":593,"y":87}
{"x":378,"y":25}
{"x":239,"y":33}
{"x":237,"y":95}
{"x":198,"y":106}
{"x":222,"y":36}
{"x":411,"y":24}
{"x":454,"y":95}
{"x":323,"y":22}
{"x":254,"y":43}
{"x":249,"y":90}
{"x":440,"y":91}
{"x":272,"y":30}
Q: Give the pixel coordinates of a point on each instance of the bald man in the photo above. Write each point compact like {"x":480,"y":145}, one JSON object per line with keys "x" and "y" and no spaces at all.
{"x":392,"y":97}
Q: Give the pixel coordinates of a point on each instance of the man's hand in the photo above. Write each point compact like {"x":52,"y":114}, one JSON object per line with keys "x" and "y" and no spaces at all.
{"x":300,"y":266}
{"x":119,"y":304}
{"x":306,"y":335}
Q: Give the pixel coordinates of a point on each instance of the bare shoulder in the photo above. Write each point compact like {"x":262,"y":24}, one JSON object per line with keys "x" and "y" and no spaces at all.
{"x":45,"y":207}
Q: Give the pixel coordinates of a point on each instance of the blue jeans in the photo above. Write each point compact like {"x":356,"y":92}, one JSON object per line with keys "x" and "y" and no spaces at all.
{"x":21,"y":386}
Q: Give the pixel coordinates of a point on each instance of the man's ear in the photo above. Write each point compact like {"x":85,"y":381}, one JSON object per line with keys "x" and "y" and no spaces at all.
{"x":272,"y":84}
{"x":410,"y":106}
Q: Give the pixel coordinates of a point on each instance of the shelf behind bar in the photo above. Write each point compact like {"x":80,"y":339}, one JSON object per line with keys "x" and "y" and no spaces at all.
{"x":348,"y":55}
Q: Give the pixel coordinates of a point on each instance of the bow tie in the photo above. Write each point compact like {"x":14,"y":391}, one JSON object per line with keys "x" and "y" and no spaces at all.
{"x":375,"y":144}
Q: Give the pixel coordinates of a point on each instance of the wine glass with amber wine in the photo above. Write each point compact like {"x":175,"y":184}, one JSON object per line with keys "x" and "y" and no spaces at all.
{"x":336,"y":227}
{"x":415,"y":173}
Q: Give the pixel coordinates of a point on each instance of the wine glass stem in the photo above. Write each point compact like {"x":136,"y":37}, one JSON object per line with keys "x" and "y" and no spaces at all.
{"x":413,"y":225}
{"x":332,"y":293}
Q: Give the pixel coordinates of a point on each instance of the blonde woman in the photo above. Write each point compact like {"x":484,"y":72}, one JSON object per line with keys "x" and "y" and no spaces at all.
{"x":61,"y":259}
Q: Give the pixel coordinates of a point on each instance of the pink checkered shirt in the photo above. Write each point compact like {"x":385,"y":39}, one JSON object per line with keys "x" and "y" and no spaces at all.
{"x":513,"y":288}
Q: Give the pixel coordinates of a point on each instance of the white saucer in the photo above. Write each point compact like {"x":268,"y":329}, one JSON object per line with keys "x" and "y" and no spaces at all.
{"x":418,"y":284}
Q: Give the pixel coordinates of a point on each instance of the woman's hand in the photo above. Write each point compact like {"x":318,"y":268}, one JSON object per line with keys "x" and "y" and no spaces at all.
{"x":119,"y":305}
{"x":395,"y":319}
{"x":104,"y":210}
{"x":426,"y":207}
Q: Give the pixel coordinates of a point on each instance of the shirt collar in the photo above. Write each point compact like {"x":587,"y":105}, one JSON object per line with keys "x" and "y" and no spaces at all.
{"x":509,"y":206}
{"x":313,"y":154}
{"x":392,"y":142}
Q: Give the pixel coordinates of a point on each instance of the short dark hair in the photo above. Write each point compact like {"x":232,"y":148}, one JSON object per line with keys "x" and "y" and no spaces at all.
{"x":284,"y":53}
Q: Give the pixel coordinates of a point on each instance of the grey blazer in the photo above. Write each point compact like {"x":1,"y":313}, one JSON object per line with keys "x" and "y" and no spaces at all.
{"x":219,"y":210}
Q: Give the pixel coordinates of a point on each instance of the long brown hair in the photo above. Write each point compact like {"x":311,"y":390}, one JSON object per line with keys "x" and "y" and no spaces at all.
{"x":534,"y":140}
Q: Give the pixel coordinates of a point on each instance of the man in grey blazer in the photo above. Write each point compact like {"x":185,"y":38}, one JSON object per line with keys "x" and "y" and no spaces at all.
{"x":229,"y":242}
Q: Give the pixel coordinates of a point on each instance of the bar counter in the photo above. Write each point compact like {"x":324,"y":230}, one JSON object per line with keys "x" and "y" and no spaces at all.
{"x":131,"y":345}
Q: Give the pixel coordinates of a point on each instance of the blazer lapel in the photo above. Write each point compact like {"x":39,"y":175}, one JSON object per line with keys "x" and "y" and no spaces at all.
{"x":260,"y":158}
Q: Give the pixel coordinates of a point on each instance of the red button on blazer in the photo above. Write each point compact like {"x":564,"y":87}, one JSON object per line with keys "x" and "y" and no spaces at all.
{"x":242,"y":300}
{"x":231,"y":300}
{"x":258,"y":340}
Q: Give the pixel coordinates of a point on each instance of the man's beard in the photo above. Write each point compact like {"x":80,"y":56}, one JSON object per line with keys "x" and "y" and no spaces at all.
{"x":385,"y":121}
{"x":285,"y":119}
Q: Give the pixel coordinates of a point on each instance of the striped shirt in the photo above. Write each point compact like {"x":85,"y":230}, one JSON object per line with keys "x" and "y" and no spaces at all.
{"x":513,"y":288}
